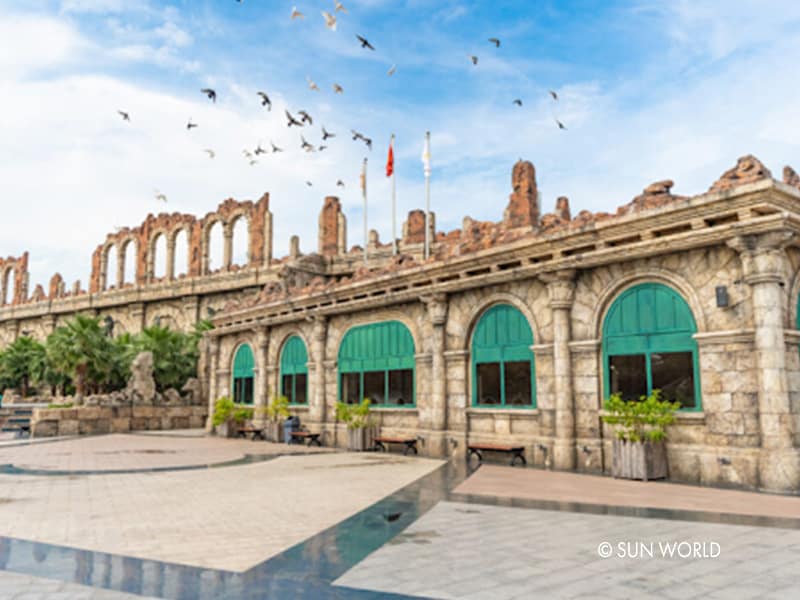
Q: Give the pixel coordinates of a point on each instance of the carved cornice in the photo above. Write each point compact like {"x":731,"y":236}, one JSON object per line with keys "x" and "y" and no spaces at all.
{"x":763,"y":255}
{"x":560,"y":287}
{"x":734,"y":336}
{"x":589,"y":346}
{"x":542,"y":349}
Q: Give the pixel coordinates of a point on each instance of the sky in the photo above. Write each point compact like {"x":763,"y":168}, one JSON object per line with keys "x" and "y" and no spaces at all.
{"x":648,"y":90}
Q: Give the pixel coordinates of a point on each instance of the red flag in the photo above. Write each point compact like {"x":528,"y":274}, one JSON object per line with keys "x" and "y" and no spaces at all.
{"x":390,"y":159}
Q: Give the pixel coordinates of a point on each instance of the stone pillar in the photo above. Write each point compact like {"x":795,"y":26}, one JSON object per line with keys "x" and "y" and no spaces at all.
{"x":121,"y":248}
{"x":227,"y":257}
{"x":764,"y":263}
{"x":137,"y":312}
{"x":213,"y":363}
{"x":561,"y":290}
{"x":319,"y":336}
{"x":170,"y":258}
{"x":260,"y":385}
{"x":437,"y":421}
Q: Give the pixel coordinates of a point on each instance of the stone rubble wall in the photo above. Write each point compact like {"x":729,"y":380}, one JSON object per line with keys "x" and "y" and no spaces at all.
{"x":95,"y":420}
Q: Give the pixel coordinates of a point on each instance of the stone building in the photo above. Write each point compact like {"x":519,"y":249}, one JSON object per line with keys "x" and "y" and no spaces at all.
{"x":516,"y":331}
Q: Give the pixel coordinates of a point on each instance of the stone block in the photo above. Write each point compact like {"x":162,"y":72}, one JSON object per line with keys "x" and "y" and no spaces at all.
{"x":745,"y":402}
{"x":154,"y":423}
{"x":121,"y":412}
{"x":144,"y":411}
{"x":139,"y":424}
{"x":91,"y":413}
{"x":48,"y":428}
{"x":120,"y":425}
{"x":196,"y":422}
{"x":68,"y":427}
{"x":726,"y":423}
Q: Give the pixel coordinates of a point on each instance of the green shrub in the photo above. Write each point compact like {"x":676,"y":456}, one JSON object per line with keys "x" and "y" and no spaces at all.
{"x":640,"y":420}
{"x":355,"y":416}
{"x":277,"y":409}
{"x":223,"y":409}
{"x":64,"y":405}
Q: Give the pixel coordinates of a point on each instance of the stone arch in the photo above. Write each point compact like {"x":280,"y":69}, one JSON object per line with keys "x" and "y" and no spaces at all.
{"x":127,"y":252}
{"x":336,"y":334}
{"x":110,"y":266}
{"x":242,"y":390}
{"x":275,"y":358}
{"x":667,"y":278}
{"x":213,"y":245}
{"x":8,"y":285}
{"x":157,"y":256}
{"x":181,"y":241}
{"x":493,"y":300}
{"x":239,"y":235}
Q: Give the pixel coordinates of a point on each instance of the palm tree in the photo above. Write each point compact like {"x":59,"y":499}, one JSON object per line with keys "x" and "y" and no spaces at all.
{"x":174,"y":355}
{"x":22,"y":364}
{"x":81,"y":350}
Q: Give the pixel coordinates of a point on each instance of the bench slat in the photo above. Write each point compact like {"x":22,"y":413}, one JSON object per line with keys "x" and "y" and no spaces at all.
{"x":497,"y":447}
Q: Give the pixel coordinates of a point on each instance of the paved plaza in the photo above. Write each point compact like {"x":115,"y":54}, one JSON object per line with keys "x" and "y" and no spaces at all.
{"x":185,"y":516}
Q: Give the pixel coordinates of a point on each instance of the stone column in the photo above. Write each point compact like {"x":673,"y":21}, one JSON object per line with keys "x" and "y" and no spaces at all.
{"x":437,"y":410}
{"x":121,"y":264}
{"x":213,"y":363}
{"x":561,"y":290}
{"x":227,"y":257}
{"x":764,"y":263}
{"x":260,"y":387}
{"x":170,"y":258}
{"x":319,"y":336}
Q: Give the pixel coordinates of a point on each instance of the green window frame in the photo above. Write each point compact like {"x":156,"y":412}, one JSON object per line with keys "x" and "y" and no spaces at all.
{"x":294,"y":371}
{"x":378,"y":356}
{"x":646,"y":321}
{"x":502,"y":337}
{"x":243,"y":375}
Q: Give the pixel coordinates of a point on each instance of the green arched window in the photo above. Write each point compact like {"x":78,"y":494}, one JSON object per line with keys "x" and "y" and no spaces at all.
{"x":502,"y":359}
{"x":648,"y":344}
{"x":243,"y":371}
{"x":294,"y":370}
{"x":376,"y":361}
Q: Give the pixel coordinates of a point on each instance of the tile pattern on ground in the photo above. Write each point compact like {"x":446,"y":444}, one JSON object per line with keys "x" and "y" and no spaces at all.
{"x":14,"y":586}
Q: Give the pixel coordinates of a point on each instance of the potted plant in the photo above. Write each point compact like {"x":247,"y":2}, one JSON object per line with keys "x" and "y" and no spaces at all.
{"x":276,"y":411}
{"x":356,"y":417}
{"x":229,"y":416}
{"x":639,"y":448}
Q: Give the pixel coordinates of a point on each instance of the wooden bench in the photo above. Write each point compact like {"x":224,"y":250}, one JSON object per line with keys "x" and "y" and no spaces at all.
{"x":517,"y":452}
{"x":256,"y":432}
{"x":382,"y":443}
{"x":313,"y":438}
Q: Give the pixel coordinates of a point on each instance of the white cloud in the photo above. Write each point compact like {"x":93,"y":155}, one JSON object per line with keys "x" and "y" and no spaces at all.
{"x":22,"y":38}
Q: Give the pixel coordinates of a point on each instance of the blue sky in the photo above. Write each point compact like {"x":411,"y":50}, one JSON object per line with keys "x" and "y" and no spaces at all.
{"x":648,"y":90}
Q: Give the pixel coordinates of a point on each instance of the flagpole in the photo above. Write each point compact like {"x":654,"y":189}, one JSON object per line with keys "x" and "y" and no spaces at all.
{"x":427,"y":197}
{"x":364,"y":190}
{"x":394,"y":203}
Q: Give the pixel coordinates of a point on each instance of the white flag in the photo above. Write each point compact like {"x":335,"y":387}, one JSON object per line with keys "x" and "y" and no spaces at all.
{"x":426,"y":155}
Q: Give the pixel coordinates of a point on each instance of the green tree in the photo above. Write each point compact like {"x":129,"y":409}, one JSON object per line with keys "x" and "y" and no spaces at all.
{"x":82,"y":350}
{"x":22,"y":364}
{"x":175,"y":355}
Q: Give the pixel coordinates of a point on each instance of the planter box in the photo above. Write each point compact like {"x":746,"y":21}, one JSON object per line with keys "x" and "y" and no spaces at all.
{"x":227,"y":429}
{"x":273,"y":431}
{"x":359,"y":440}
{"x":639,"y":460}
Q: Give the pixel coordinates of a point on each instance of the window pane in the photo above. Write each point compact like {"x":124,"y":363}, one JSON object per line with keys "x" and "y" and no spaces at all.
{"x":375,"y":386}
{"x":350,"y":388}
{"x":401,"y":387}
{"x":488,"y":375}
{"x":301,"y":388}
{"x":247,"y":390}
{"x":518,"y":383}
{"x":286,"y":387}
{"x":628,"y":376}
{"x":673,"y":374}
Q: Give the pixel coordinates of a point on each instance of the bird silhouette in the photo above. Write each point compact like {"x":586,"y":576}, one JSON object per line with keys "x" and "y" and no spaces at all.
{"x":292,"y":120}
{"x":189,"y":125}
{"x":210,"y":152}
{"x":160,"y":196}
{"x":368,"y":142}
{"x":253,"y":162}
{"x":275,"y":148}
{"x":495,"y":41}
{"x":339,"y":183}
{"x":265,"y":101}
{"x":357,"y":135}
{"x":339,"y":6}
{"x":391,"y":70}
{"x":212,"y":95}
{"x":364,"y":42}
{"x":247,"y":154}
{"x":474,"y":59}
{"x":259,"y":150}
{"x":125,"y":116}
{"x":518,"y":102}
{"x":296,"y":14}
{"x":326,"y":134}
{"x":321,"y":148}
{"x":305,"y":117}
{"x":337,"y":89}
{"x":330,"y":20}
{"x":305,"y":145}
{"x":309,"y":184}
{"x":560,"y":124}
{"x":554,"y":95}
{"x":311,"y":85}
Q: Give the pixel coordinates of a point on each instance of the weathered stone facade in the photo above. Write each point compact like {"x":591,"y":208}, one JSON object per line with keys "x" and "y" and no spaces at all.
{"x":563,"y":274}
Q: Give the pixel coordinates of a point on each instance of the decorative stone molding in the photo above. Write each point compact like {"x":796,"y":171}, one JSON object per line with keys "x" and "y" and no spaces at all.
{"x":542,"y":349}
{"x":423,"y":358}
{"x":763,"y":255}
{"x":738,"y":336}
{"x":456,"y":355}
{"x":560,"y":288}
{"x":437,"y":308}
{"x":522,"y":413}
{"x":587,"y":346}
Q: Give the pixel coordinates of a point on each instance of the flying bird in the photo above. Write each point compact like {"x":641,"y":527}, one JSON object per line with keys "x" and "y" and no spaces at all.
{"x":391,"y":70}
{"x":253,"y":162}
{"x":339,"y":183}
{"x":305,"y":117}
{"x":259,"y":150}
{"x":339,"y":6}
{"x":554,"y":95}
{"x":212,"y":95}
{"x":518,"y":102}
{"x":560,"y":124}
{"x":330,"y":20}
{"x":474,"y":59}
{"x":311,"y":85}
{"x":125,"y":116}
{"x":160,"y":196}
{"x":495,"y":41}
{"x":247,"y":154}
{"x":321,"y":148}
{"x":296,"y":14}
{"x":189,"y":125}
{"x":210,"y":152}
{"x":326,"y":134}
{"x":337,"y":89}
{"x":368,"y":142}
{"x":292,"y":120}
{"x":309,"y":184}
{"x":265,"y":101}
{"x":305,"y":145}
{"x":357,"y":135}
{"x":364,"y":42}
{"x":274,"y":147}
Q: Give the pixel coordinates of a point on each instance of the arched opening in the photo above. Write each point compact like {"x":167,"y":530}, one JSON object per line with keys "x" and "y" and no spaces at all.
{"x":294,"y":371}
{"x":129,"y":269}
{"x":503,"y":370}
{"x":216,"y":247}
{"x":376,"y":361}
{"x":648,"y":345}
{"x":243,"y":375}
{"x":181,"y":253}
{"x":8,"y":286}
{"x":241,"y":242}
{"x":159,"y":250}
{"x":111,"y":268}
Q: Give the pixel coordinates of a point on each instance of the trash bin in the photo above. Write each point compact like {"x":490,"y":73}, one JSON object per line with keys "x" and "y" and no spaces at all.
{"x":289,"y":425}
